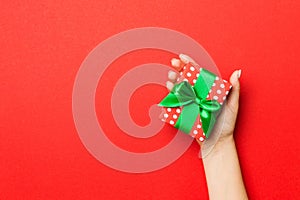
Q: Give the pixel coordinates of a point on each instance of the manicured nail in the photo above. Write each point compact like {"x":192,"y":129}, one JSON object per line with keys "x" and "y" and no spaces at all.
{"x":169,"y":85}
{"x":175,"y":62}
{"x":184,"y":58}
{"x":172,"y":75}
{"x":239,"y":73}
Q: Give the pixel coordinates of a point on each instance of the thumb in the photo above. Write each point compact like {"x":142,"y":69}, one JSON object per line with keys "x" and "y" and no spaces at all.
{"x":233,"y":99}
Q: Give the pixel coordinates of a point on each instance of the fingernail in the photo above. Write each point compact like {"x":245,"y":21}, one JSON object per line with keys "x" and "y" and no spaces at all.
{"x":169,"y":85}
{"x":239,"y":73}
{"x":171,"y":75}
{"x":184,"y":58}
{"x":175,"y":62}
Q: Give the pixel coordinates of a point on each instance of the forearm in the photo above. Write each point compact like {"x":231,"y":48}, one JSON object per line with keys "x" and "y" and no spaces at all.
{"x":223,"y":174}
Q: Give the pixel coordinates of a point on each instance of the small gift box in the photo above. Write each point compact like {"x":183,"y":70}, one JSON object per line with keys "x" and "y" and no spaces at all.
{"x":195,"y":101}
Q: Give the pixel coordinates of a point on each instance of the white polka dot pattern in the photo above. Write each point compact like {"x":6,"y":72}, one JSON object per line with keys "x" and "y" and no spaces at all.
{"x":219,"y":91}
{"x":197,"y":131}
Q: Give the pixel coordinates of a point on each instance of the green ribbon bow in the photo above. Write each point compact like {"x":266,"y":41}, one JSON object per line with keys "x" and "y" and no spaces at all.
{"x":193,"y":101}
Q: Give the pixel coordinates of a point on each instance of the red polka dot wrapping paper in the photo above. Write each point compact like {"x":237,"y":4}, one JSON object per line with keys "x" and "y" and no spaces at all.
{"x":219,"y":91}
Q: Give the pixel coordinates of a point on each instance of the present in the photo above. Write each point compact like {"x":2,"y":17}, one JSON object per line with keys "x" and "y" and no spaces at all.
{"x":195,"y":101}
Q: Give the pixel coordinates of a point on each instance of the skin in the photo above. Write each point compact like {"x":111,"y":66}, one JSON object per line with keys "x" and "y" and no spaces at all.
{"x":222,"y":168}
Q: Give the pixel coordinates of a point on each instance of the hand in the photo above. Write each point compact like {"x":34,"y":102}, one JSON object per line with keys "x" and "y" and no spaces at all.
{"x":223,"y":175}
{"x":230,"y":108}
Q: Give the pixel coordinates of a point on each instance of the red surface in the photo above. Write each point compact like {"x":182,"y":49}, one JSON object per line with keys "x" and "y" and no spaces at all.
{"x":43,"y":45}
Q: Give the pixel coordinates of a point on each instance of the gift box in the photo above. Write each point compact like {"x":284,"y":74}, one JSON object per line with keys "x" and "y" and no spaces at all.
{"x":195,"y":101}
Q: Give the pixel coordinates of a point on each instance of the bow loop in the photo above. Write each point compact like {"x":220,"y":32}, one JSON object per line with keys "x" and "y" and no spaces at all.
{"x":181,"y":94}
{"x":209,"y":105}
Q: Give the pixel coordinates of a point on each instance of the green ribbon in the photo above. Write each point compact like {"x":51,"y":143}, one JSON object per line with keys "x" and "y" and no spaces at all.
{"x":193,"y":101}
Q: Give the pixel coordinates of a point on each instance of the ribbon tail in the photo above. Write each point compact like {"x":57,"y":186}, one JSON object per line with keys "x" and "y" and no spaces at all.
{"x":208,"y":121}
{"x":187,"y":118}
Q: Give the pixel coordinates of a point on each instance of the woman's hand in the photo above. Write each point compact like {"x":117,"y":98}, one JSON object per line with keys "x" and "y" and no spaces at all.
{"x":230,"y":108}
{"x":222,"y":168}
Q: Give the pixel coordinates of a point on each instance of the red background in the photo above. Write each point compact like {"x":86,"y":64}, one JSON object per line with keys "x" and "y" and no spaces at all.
{"x":43,"y":44}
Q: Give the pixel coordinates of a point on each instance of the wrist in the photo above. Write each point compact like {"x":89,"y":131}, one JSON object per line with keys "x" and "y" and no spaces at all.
{"x":222,"y":170}
{"x":222,"y":145}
